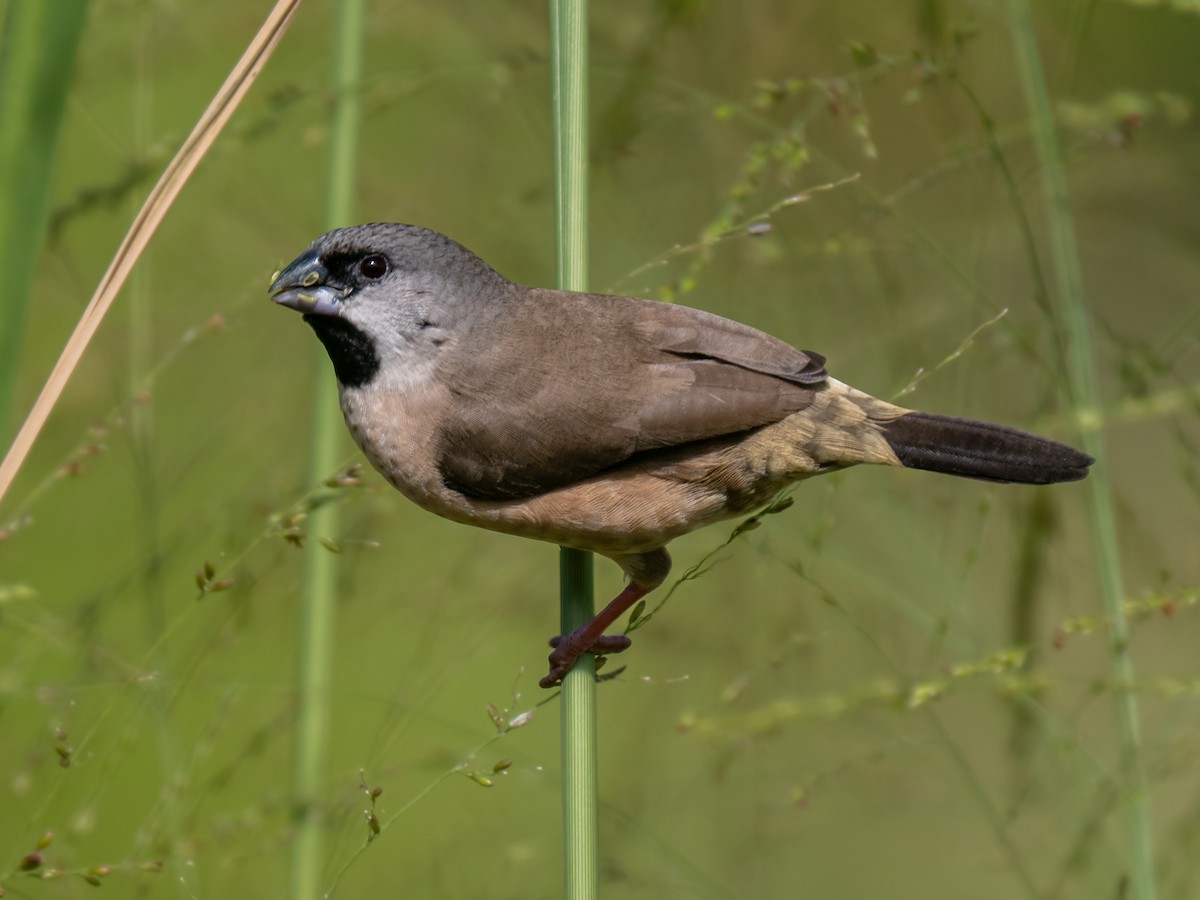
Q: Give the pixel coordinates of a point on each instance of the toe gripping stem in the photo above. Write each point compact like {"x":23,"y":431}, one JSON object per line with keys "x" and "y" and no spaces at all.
{"x":590,"y":638}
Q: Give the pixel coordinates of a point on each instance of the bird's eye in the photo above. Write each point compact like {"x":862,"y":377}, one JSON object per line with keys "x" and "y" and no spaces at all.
{"x":373,"y":267}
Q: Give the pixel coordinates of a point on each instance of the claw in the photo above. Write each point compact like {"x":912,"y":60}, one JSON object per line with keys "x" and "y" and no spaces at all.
{"x":590,"y":638}
{"x":606,"y":643}
{"x":568,"y":648}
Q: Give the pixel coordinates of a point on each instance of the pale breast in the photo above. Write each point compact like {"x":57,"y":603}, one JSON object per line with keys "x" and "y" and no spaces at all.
{"x":396,"y":431}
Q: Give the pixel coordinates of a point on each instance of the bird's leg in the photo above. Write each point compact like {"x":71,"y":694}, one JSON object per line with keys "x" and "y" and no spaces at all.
{"x":646,"y":569}
{"x":591,"y":637}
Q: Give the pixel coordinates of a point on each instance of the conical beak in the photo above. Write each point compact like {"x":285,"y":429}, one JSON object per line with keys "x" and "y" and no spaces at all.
{"x":305,"y":287}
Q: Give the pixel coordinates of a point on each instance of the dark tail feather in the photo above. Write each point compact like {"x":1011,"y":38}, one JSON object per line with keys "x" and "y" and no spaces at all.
{"x":982,"y":450}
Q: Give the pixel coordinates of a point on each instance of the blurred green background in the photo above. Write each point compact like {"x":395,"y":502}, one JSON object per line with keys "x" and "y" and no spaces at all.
{"x":898,"y":687}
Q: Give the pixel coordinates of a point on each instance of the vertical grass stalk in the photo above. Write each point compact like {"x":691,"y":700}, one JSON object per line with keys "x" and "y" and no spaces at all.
{"x":38,"y":41}
{"x":315,"y":662}
{"x":1081,"y":374}
{"x":568,"y":62}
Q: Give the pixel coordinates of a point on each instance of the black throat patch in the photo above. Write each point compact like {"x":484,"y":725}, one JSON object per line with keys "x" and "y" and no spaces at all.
{"x":352,"y":352}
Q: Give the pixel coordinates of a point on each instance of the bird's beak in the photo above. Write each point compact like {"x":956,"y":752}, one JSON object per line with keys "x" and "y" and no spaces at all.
{"x":305,"y":287}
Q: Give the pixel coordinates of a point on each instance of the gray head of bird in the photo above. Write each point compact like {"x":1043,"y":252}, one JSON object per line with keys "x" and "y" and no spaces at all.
{"x":387,"y":297}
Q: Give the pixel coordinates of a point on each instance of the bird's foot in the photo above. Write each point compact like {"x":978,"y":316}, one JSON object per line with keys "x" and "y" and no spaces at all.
{"x":606,"y":643}
{"x":590,"y":638}
{"x":569,"y":647}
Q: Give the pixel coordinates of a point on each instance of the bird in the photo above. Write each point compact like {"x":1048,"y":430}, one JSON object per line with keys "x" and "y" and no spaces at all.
{"x":594,"y":421}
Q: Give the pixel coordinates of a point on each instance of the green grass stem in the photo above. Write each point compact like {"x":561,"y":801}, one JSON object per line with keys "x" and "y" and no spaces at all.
{"x":314,"y":672}
{"x":38,"y":41}
{"x":569,"y":63}
{"x":1084,"y":399}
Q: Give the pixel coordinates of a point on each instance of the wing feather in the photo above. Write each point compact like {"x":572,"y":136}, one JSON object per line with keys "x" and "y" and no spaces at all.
{"x":582,"y":383}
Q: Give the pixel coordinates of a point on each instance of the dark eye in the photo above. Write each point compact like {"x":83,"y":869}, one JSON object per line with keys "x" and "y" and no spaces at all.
{"x":373,"y":267}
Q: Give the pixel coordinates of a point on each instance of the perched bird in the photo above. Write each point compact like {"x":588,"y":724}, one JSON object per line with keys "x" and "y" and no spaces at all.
{"x":593,"y":421}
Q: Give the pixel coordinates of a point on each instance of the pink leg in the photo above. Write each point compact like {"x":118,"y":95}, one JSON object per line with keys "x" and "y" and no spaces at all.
{"x":568,"y":648}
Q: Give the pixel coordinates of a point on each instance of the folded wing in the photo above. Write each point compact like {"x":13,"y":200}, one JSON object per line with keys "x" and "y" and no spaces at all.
{"x":636,"y":376}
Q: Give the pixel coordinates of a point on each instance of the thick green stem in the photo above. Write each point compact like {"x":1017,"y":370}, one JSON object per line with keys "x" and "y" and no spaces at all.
{"x":568,"y":53}
{"x":579,"y":779}
{"x":317,"y":619}
{"x":1084,"y":397}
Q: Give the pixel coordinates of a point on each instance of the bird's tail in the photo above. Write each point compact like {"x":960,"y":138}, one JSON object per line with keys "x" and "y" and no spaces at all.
{"x":981,"y":450}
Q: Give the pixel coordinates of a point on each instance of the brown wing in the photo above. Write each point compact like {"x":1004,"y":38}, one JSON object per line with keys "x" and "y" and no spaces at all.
{"x":580,"y":383}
